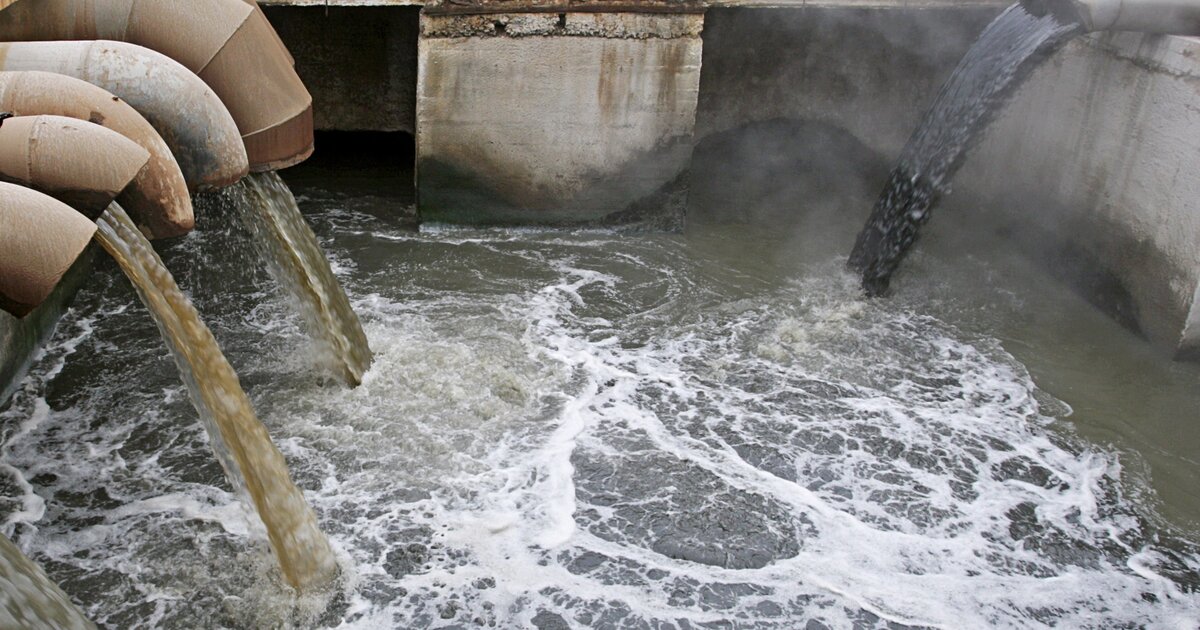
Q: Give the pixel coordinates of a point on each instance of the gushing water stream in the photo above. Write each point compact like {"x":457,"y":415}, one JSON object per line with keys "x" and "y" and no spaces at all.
{"x":1005,"y":54}
{"x":297,"y":263}
{"x":29,"y":600}
{"x":253,"y":464}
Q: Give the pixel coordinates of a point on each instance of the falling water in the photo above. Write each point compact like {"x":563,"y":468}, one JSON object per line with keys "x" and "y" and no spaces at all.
{"x":1007,"y":52}
{"x":251,"y":461}
{"x":299,"y":266}
{"x":28,"y":599}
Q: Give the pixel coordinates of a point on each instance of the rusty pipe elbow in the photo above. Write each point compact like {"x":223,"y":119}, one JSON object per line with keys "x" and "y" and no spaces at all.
{"x":158,"y":200}
{"x":254,"y":75}
{"x":228,"y":43}
{"x":187,"y":114}
{"x":40,"y":238}
{"x":57,"y":156}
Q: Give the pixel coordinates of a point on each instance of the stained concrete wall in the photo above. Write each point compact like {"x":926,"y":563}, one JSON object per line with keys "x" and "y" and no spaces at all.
{"x":359,"y":64}
{"x":552,"y":118}
{"x":1095,"y":168}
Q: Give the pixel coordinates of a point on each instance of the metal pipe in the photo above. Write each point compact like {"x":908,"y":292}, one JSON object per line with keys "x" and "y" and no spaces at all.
{"x":226,"y":42}
{"x":159,"y":199}
{"x":274,"y":34}
{"x":1164,"y":17}
{"x":78,"y":163}
{"x":187,"y":114}
{"x":40,"y":237}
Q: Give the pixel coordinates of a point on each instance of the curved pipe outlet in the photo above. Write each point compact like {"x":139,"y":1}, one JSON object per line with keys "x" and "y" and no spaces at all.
{"x":1165,"y":17}
{"x":227,"y":43}
{"x":187,"y":114}
{"x":57,"y":155}
{"x":40,"y":237}
{"x":158,"y":200}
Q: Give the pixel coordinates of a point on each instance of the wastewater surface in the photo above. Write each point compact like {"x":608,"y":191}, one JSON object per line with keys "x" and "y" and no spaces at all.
{"x":609,"y":428}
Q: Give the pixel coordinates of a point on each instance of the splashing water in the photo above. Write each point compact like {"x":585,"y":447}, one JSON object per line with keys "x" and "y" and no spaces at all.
{"x":29,"y":600}
{"x":584,"y":429}
{"x":253,"y":464}
{"x":297,"y":263}
{"x":1005,"y":54}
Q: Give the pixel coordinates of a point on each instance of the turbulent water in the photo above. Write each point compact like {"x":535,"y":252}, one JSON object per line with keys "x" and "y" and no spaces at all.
{"x":299,"y":266}
{"x":587,"y":429}
{"x":1005,"y":54}
{"x":251,"y":461}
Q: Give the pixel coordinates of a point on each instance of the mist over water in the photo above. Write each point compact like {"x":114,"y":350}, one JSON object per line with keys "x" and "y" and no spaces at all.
{"x":593,"y":429}
{"x":1006,"y":53}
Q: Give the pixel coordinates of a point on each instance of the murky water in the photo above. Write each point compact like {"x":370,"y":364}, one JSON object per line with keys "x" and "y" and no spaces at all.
{"x":251,"y":461}
{"x":584,"y":428}
{"x":1006,"y":53}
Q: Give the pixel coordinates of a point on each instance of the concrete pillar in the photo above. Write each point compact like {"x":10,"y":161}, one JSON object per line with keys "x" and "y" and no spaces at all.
{"x":552,"y":117}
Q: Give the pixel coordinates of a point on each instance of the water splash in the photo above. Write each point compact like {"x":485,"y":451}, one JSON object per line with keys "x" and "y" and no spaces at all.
{"x":297,"y":263}
{"x":251,"y":461}
{"x":999,"y":62}
{"x":596,"y":431}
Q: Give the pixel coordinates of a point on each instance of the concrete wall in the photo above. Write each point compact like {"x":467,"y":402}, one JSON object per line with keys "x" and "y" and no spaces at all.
{"x":552,"y":118}
{"x":872,"y":72}
{"x":1095,"y":168}
{"x":359,"y":64}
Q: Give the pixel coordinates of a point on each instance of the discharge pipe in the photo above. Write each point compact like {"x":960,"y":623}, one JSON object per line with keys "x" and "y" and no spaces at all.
{"x":187,"y":114}
{"x":228,"y":43}
{"x":158,"y":200}
{"x":40,"y":238}
{"x":1164,"y":17}
{"x":78,"y":163}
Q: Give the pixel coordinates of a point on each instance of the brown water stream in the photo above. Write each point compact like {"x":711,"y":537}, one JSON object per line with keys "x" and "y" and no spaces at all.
{"x":251,"y":461}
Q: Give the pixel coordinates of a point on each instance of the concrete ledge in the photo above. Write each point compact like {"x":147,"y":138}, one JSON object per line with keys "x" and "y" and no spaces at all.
{"x":503,"y":6}
{"x":604,"y":25}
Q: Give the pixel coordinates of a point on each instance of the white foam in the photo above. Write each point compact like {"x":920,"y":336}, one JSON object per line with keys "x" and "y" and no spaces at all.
{"x":507,"y":445}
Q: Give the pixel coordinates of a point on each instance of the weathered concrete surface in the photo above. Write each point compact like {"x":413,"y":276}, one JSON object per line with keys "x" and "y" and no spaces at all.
{"x":872,"y":72}
{"x":359,"y":64}
{"x":552,"y":118}
{"x":1095,"y":167}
